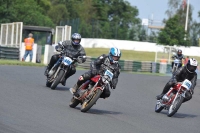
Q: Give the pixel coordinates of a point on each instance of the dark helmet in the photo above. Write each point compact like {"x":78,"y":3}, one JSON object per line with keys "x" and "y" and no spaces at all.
{"x":114,"y":55}
{"x":179,"y":52}
{"x":191,"y":66}
{"x":75,"y":37}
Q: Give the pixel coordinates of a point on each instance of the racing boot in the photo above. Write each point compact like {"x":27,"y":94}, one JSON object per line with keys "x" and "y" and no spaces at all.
{"x":74,"y":89}
{"x":165,"y":90}
{"x":64,"y":82}
{"x":159,"y":96}
{"x":47,"y":71}
{"x":66,"y":77}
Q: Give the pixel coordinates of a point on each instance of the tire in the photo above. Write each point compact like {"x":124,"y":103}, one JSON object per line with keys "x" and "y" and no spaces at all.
{"x":86,"y":106}
{"x":74,"y":102}
{"x":57,"y":79}
{"x":48,"y":84}
{"x":177,"y":103}
{"x":158,"y":108}
{"x":174,"y":69}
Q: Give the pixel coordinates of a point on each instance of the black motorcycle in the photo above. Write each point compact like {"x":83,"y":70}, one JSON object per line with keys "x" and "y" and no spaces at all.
{"x":60,"y":69}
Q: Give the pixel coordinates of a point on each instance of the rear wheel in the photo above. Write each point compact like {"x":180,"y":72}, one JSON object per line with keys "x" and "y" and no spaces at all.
{"x":57,"y":79}
{"x":87,"y":105}
{"x":174,"y":107}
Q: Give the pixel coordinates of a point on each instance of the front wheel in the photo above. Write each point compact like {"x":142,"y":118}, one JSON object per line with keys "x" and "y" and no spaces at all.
{"x":174,"y":69}
{"x":174,"y":107}
{"x":87,"y":105}
{"x":57,"y":79}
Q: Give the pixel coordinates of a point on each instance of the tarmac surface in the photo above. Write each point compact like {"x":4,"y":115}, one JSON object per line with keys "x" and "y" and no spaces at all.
{"x":28,"y":106}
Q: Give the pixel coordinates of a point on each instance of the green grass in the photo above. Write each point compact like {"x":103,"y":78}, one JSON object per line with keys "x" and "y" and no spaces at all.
{"x":130,"y":54}
{"x":20,"y":63}
{"x":126,"y":54}
{"x":95,"y":52}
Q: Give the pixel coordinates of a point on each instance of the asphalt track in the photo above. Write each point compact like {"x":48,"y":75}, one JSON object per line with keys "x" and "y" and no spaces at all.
{"x":27,"y":106}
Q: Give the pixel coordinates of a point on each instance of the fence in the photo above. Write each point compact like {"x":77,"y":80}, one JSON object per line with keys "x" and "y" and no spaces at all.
{"x":135,"y":66}
{"x":11,"y":34}
{"x":9,"y":53}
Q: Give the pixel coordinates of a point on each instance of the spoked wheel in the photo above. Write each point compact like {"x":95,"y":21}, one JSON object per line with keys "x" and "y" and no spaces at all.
{"x":174,"y":107}
{"x":57,"y":79}
{"x":88,"y":104}
{"x":158,"y":107}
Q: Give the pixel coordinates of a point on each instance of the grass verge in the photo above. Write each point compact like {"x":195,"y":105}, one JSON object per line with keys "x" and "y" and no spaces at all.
{"x":20,"y":63}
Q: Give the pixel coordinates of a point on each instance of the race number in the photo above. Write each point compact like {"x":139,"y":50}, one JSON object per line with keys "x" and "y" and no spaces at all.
{"x":109,"y":73}
{"x":186,"y":84}
{"x":67,"y":60}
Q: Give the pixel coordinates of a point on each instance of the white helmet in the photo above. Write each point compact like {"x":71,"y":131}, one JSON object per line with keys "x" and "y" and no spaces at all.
{"x":191,"y":65}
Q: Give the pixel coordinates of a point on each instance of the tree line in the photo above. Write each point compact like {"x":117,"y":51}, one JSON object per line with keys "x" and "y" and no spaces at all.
{"x":109,"y":19}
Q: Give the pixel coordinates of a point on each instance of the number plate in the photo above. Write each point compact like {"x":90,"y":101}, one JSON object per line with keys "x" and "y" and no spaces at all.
{"x":109,"y":73}
{"x":186,"y":84}
{"x":67,"y":61}
{"x":177,"y":61}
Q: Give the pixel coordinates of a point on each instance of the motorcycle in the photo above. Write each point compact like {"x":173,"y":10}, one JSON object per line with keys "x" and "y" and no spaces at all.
{"x":90,"y":91}
{"x":177,"y":64}
{"x":57,"y":73}
{"x":173,"y":99}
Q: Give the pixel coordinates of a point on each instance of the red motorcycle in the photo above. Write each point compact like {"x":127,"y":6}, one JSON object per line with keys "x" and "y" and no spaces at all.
{"x":173,"y":99}
{"x":89,"y":92}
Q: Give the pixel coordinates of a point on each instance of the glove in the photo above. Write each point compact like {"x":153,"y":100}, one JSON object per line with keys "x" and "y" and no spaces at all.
{"x":79,"y":59}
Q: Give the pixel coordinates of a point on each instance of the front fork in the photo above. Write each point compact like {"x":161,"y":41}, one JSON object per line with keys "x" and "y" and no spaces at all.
{"x":66,"y":70}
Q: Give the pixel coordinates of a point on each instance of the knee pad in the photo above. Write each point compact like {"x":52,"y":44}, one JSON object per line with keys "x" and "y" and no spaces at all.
{"x":106,"y":93}
{"x":188,"y":96}
{"x":55,"y":57}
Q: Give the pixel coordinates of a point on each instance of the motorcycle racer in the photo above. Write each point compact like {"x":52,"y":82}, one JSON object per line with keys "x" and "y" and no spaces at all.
{"x":186,"y":72}
{"x":98,"y":66}
{"x":71,"y":48}
{"x":178,"y":56}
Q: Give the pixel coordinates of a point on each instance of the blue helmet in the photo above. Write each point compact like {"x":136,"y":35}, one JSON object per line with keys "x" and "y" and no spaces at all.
{"x":76,"y":36}
{"x":114,"y":55}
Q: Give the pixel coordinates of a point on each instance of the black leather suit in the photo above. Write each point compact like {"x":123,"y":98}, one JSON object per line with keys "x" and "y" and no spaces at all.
{"x":99,"y":66}
{"x":69,"y":50}
{"x":180,"y":75}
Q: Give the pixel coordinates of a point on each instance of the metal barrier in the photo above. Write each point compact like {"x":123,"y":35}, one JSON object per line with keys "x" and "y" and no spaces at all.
{"x":132,"y":66}
{"x":9,"y":53}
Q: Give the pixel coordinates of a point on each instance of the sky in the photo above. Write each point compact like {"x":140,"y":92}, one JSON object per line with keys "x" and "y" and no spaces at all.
{"x":157,"y":8}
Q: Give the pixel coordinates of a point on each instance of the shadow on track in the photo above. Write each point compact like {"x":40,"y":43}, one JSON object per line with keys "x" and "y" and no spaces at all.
{"x":180,"y":115}
{"x":98,"y":112}
{"x":62,"y":88}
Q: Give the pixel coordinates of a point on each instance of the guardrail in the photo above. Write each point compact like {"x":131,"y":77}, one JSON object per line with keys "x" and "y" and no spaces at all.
{"x":135,"y":66}
{"x":9,"y":53}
